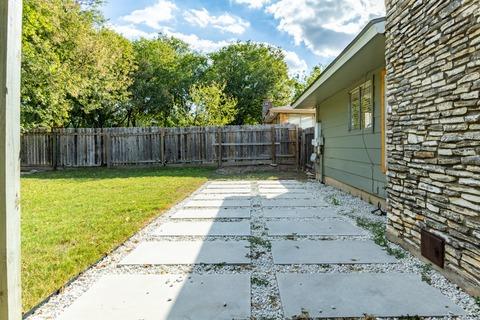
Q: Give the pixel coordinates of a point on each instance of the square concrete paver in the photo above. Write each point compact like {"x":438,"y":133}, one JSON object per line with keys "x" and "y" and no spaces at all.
{"x":189,"y":252}
{"x":238,"y":191}
{"x":217,"y":203}
{"x":288,"y":195}
{"x":327,"y":227}
{"x":293,"y":203}
{"x":267,"y":190}
{"x":204,"y":228}
{"x":279,"y":182}
{"x":229,"y":186}
{"x":212,"y":213}
{"x":231,"y":182}
{"x":221,"y":196}
{"x":328,"y":252}
{"x":300,"y":213}
{"x":357,"y":294}
{"x":161,"y":297}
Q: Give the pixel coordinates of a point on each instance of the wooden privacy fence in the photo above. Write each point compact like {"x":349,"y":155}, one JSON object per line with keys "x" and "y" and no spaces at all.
{"x":230,"y":145}
{"x":306,"y":150}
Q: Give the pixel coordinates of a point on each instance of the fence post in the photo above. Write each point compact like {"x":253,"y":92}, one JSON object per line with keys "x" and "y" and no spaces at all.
{"x":219,"y":143}
{"x":304,"y":150}
{"x":274,"y":149}
{"x":54,"y":149}
{"x":297,"y":147}
{"x":162,"y":146}
{"x":107,"y":148}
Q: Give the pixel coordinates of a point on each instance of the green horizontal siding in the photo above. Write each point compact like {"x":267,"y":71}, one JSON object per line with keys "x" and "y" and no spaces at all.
{"x":353,"y":157}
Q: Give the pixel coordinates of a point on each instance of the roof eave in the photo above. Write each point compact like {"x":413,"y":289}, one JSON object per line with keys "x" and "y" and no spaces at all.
{"x":373,"y":28}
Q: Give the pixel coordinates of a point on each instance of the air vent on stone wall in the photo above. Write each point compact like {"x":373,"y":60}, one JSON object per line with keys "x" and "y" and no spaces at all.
{"x":433,"y":248}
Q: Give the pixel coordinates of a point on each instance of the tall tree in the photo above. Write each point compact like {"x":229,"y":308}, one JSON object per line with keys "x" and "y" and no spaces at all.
{"x":70,"y":64}
{"x":252,"y":73}
{"x":209,"y":106}
{"x":107,"y":61}
{"x":300,"y":85}
{"x":167,"y":68}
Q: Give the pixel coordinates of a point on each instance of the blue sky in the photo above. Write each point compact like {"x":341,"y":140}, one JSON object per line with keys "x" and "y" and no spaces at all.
{"x":310,"y":32}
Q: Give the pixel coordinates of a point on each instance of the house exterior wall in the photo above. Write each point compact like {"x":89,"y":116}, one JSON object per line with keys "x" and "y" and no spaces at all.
{"x":433,"y":143}
{"x":353,"y":157}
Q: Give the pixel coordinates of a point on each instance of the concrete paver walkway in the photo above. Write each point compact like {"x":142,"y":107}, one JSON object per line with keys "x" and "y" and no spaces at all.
{"x":265,"y":228}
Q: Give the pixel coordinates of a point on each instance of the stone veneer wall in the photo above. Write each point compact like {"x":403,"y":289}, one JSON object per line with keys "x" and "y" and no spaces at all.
{"x":433,"y":129}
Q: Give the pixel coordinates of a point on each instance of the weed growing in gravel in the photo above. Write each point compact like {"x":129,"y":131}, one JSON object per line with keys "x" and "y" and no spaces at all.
{"x":425,"y":273}
{"x":259,"y":282}
{"x":257,"y":241}
{"x":273,"y":300}
{"x":305,"y":315}
{"x":335,"y":201}
{"x":219,"y":266}
{"x":410,"y":318}
{"x":379,"y":237}
{"x":477,"y":301}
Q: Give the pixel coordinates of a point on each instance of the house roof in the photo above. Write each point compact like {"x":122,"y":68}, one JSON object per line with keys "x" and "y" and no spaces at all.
{"x":366,"y":52}
{"x":273,"y":112}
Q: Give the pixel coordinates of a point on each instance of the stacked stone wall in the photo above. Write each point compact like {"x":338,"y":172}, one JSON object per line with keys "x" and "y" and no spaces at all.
{"x":433,"y":129}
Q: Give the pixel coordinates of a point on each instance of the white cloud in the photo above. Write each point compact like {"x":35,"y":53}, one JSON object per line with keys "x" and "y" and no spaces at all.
{"x":198,"y":44}
{"x":324,"y":26}
{"x":151,"y":16}
{"x":253,"y":4}
{"x":296,"y":65}
{"x":225,"y":22}
{"x":132,"y":32}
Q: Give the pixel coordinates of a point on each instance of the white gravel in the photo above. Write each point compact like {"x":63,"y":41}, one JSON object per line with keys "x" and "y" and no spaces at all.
{"x":265,"y":294}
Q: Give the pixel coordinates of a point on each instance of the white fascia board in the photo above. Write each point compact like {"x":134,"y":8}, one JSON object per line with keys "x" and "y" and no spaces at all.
{"x":363,"y":39}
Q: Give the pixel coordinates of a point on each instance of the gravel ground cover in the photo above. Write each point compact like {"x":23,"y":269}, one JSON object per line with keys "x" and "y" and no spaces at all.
{"x":265,"y":299}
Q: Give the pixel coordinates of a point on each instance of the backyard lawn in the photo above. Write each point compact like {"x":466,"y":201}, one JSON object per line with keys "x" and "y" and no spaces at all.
{"x":72,"y":218}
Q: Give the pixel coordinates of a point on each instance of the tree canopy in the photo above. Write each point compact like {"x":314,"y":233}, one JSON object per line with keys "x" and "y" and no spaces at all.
{"x":76,"y":72}
{"x":252,"y":72}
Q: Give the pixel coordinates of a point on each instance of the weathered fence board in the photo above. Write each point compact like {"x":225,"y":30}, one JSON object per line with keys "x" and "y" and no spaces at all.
{"x":306,"y":137}
{"x":229,"y":145}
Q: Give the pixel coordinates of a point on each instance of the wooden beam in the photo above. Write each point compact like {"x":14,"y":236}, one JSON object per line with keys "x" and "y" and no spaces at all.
{"x":10,"y":57}
{"x":383,"y":120}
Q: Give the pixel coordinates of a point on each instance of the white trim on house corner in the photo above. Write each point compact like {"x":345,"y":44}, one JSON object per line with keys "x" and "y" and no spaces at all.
{"x":374,"y":28}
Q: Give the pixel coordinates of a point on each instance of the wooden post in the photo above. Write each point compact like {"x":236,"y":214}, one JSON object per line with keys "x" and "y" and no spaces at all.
{"x":297,"y":147}
{"x":107,"y":144}
{"x":274,"y":149}
{"x":54,"y":149}
{"x":304,"y":150}
{"x":162,"y":146}
{"x":219,"y":143}
{"x":10,"y":55}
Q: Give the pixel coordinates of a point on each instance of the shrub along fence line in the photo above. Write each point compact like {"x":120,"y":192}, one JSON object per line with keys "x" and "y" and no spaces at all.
{"x":221,"y":146}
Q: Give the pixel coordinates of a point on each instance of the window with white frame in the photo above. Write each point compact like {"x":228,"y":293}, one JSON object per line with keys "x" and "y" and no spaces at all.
{"x":361,"y":106}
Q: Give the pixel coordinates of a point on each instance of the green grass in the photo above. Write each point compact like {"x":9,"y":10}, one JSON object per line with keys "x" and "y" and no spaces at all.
{"x":72,"y":218}
{"x":379,"y":236}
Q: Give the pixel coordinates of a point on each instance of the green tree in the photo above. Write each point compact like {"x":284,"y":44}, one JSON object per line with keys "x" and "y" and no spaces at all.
{"x":166,"y":69}
{"x":300,"y":85}
{"x":70,"y":65}
{"x":108,"y":64}
{"x":252,"y":73}
{"x":210,"y":106}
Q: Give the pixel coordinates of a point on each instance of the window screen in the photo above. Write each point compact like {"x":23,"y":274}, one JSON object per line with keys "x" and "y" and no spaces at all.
{"x":361,"y":107}
{"x":355,"y":109}
{"x":367,"y":105}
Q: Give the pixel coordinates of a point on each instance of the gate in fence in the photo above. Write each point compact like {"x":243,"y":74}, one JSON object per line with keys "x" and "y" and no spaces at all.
{"x":222,"y":146}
